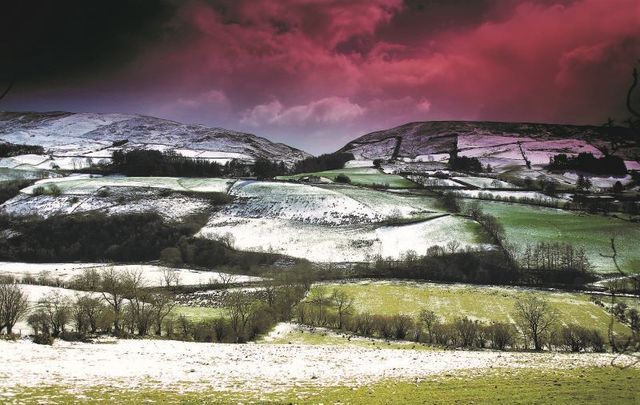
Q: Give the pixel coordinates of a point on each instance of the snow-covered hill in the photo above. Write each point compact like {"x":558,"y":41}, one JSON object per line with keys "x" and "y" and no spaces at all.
{"x":87,"y":135}
{"x":496,"y":143}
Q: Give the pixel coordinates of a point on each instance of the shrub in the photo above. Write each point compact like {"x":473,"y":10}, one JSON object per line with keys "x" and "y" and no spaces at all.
{"x":39,"y":190}
{"x":342,"y":178}
{"x":501,"y":335}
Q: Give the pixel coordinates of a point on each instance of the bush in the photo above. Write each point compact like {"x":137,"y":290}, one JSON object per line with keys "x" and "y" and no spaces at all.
{"x":501,"y":335}
{"x":39,"y":190}
{"x":342,"y":178}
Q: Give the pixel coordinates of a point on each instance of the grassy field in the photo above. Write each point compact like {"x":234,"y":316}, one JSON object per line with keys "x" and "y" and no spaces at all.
{"x":361,"y":176}
{"x":321,"y":336}
{"x":602,"y":385}
{"x":526,"y":224}
{"x":197,"y":314}
{"x":456,"y":301}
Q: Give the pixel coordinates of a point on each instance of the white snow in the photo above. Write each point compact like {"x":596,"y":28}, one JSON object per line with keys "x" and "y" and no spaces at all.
{"x":250,"y":367}
{"x":356,"y":243}
{"x":152,"y":275}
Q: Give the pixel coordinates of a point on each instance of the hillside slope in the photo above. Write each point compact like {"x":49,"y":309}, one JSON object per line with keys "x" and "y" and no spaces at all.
{"x":519,"y":142}
{"x":93,"y":135}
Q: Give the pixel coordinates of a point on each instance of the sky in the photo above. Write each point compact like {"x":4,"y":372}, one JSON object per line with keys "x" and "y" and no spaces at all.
{"x":315,"y":74}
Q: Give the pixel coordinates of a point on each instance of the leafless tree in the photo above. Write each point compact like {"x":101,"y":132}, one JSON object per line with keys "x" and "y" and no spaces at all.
{"x":113,"y":291}
{"x":343,"y":303}
{"x":162,"y":305}
{"x":226,"y":279}
{"x":453,"y":246}
{"x":8,"y":88}
{"x":428,"y":319}
{"x":171,"y":277}
{"x":240,"y":308}
{"x":536,"y":319}
{"x":55,"y":309}
{"x":13,"y":306}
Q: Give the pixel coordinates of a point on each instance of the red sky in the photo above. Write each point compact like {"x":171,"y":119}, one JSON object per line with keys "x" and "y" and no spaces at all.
{"x":317,"y":73}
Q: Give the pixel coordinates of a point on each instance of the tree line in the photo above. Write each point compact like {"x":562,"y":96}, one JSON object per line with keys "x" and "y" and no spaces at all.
{"x":122,"y":304}
{"x":538,"y":325}
{"x":8,"y":149}
{"x":586,"y":162}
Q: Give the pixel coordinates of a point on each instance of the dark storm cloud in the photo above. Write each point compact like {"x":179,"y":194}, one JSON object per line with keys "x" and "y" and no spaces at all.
{"x":61,"y":39}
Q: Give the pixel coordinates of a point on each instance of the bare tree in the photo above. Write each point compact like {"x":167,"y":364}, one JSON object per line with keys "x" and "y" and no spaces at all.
{"x":240,"y":308}
{"x":170,"y":277}
{"x":630,"y":107}
{"x":162,"y":305}
{"x":453,"y":246}
{"x":113,"y":291}
{"x":226,"y":279}
{"x":428,"y":319}
{"x":13,"y":306}
{"x":536,"y":318}
{"x":343,"y":303}
{"x":631,"y":345}
{"x":86,"y":313}
{"x":56,"y":310}
{"x":8,"y":88}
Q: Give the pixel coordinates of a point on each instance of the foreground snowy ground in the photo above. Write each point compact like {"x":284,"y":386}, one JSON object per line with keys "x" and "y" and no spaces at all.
{"x":259,"y":367}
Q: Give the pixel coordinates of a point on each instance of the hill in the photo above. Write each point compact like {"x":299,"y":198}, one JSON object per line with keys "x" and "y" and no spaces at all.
{"x":95,"y":136}
{"x":497,"y":143}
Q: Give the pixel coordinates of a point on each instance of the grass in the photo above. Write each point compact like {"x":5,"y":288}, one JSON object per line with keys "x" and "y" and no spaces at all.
{"x":197,"y":314}
{"x":527,"y":224}
{"x":360,"y":176}
{"x":483,"y":303}
{"x":325,"y":337}
{"x":601,"y":385}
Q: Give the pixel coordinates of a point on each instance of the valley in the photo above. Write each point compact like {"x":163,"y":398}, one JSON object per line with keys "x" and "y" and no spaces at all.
{"x":411,"y":265}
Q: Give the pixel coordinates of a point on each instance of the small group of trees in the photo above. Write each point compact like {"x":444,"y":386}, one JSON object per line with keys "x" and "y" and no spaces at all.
{"x":266,"y":169}
{"x":554,"y":256}
{"x":92,"y":236}
{"x":155,"y":163}
{"x":10,"y":189}
{"x":247,"y":316}
{"x":8,"y":149}
{"x":464,"y":164}
{"x":120,"y":303}
{"x":321,"y":163}
{"x":586,"y":162}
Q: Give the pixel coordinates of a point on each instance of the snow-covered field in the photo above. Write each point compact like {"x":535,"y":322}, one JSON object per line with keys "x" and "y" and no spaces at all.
{"x":114,"y":195}
{"x":484,"y":182}
{"x":85,"y":184}
{"x":505,"y":195}
{"x":340,"y":244}
{"x":250,"y":367}
{"x":116,"y":201}
{"x":152,"y":275}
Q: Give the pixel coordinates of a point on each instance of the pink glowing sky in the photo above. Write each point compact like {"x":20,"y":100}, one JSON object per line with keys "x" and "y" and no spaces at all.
{"x":317,"y":73}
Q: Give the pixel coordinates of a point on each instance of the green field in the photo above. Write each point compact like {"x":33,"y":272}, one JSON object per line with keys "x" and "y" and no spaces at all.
{"x":197,"y":314}
{"x":360,"y":176}
{"x":527,"y":224}
{"x":321,"y":336}
{"x":457,"y":301}
{"x":602,"y":385}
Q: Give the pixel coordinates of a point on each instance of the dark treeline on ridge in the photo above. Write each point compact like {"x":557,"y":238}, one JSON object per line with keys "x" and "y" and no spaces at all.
{"x":586,"y":162}
{"x":329,"y":161}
